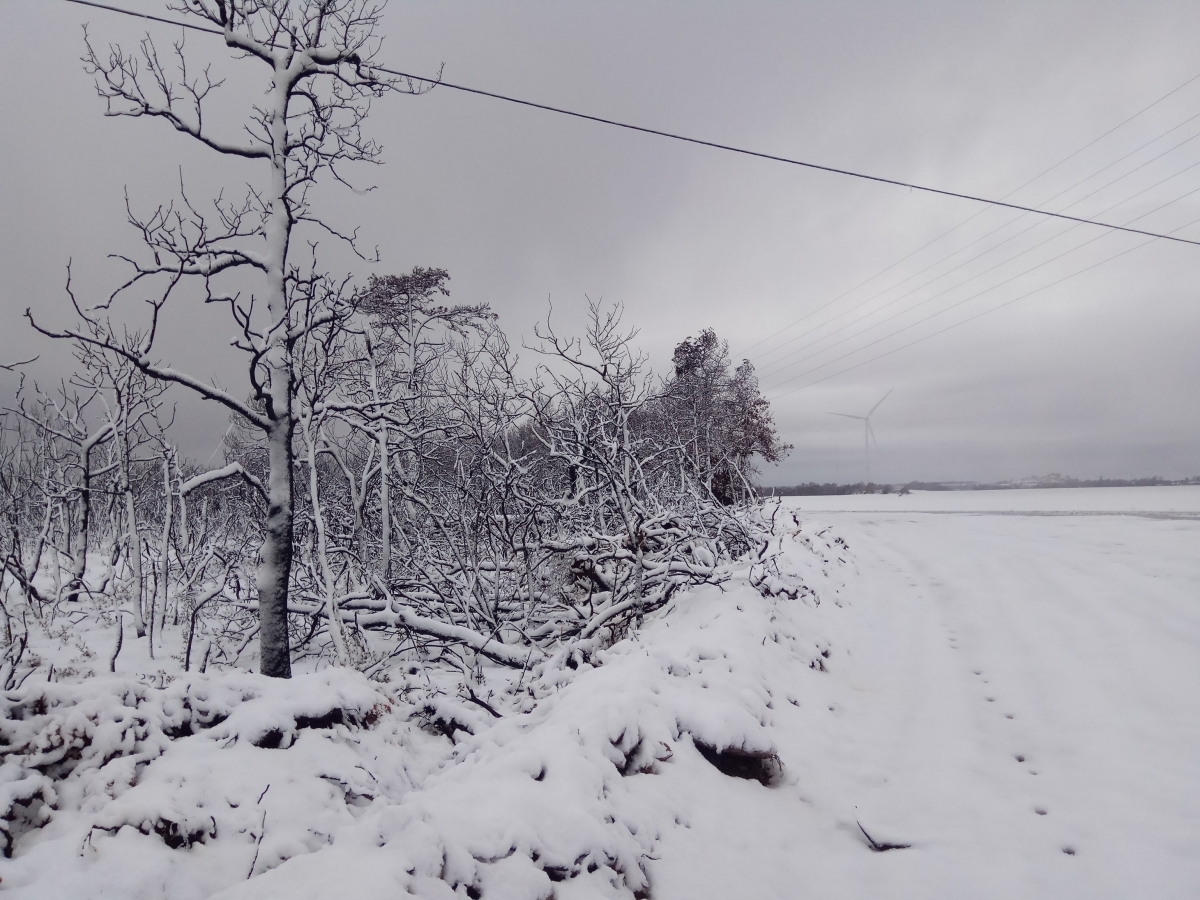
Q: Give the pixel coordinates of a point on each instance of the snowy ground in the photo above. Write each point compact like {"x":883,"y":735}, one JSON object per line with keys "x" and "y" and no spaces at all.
{"x":995,"y":666}
{"x":1015,"y":696}
{"x":1180,"y":500}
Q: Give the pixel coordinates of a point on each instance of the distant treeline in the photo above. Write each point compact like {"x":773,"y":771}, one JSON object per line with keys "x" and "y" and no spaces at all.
{"x":1108,"y":482}
{"x":814,"y":489}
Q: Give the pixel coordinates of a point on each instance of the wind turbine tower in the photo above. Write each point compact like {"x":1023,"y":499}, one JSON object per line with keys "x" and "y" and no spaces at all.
{"x":868,"y":431}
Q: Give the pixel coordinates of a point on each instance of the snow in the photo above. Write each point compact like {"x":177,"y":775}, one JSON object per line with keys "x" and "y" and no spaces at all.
{"x":1181,"y":499}
{"x":1003,"y":665}
{"x":992,"y":690}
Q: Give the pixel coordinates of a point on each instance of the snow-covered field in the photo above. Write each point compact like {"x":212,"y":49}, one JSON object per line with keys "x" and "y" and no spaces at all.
{"x":1016,"y":697}
{"x":1183,"y":499}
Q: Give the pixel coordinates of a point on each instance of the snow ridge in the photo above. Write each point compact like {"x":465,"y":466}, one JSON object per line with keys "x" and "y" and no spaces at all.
{"x":333,"y":785}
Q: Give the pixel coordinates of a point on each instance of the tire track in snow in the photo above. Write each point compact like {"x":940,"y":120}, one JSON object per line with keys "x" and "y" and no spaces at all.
{"x":1085,"y":633}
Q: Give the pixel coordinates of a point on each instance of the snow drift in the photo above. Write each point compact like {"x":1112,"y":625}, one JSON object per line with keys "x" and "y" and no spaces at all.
{"x":332,"y":784}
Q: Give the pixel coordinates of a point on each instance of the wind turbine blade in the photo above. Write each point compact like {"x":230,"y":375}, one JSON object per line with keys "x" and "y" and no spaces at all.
{"x":848,"y":416}
{"x":880,"y":403}
{"x":871,"y":431}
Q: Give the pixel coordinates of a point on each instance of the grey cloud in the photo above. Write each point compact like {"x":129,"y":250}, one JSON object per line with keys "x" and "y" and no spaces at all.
{"x":1093,"y":377}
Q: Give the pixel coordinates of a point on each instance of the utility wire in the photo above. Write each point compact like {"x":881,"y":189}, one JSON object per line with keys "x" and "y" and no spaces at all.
{"x":976,"y":316}
{"x":141,"y":15}
{"x":954,"y":253}
{"x":778,"y":365}
{"x":954,"y":305}
{"x":987,"y":290}
{"x":972,"y":297}
{"x":437,"y":82}
{"x":970,"y":218}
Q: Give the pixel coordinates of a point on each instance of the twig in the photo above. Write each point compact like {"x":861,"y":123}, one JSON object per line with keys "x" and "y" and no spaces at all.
{"x":262,"y":830}
{"x":473,"y":699}
{"x":876,"y":845}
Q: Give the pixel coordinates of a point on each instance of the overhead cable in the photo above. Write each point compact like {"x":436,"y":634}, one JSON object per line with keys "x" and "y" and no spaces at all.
{"x":879,"y":179}
{"x":970,"y":218}
{"x":959,"y":303}
{"x":978,"y":315}
{"x":777,"y":366}
{"x":937,"y":262}
{"x":967,"y":300}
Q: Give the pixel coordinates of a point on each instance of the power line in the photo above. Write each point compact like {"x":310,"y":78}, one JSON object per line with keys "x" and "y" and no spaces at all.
{"x":437,"y":82}
{"x":140,"y":15}
{"x":970,"y":218}
{"x":976,"y":316}
{"x":778,"y":366}
{"x":784,"y":159}
{"x":983,"y":237}
{"x":959,"y":303}
{"x":967,"y":300}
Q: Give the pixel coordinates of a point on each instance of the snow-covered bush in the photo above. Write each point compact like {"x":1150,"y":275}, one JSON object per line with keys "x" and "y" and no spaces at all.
{"x":456,"y":551}
{"x":332,"y":783}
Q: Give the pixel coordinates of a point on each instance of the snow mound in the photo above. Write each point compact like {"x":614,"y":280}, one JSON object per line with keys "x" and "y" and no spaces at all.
{"x":115,"y":762}
{"x":331,"y":785}
{"x":548,"y":802}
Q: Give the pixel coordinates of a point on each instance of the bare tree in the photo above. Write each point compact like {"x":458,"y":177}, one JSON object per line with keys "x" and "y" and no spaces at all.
{"x":65,"y":418}
{"x":318,"y":56}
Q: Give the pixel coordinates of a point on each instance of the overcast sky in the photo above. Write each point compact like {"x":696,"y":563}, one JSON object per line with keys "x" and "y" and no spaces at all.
{"x":1090,"y":374}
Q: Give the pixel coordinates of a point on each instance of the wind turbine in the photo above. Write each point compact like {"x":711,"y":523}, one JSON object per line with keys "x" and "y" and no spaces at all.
{"x":868,"y":431}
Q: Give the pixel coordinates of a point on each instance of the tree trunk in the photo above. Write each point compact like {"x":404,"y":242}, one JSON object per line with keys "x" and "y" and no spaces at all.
{"x":385,"y":503}
{"x":39,"y":548}
{"x":79,"y":567}
{"x":85,"y":510}
{"x":153,"y":605}
{"x":275,"y":564}
{"x":165,"y":562}
{"x":322,"y":549}
{"x":185,"y":538}
{"x":135,"y":563}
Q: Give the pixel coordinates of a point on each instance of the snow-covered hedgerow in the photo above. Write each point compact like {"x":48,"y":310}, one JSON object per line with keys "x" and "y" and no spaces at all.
{"x":333,"y":785}
{"x":90,"y":746}
{"x":172,"y":785}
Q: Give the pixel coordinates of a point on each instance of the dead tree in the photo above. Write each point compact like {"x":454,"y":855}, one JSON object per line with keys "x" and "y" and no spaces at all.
{"x":318,"y":58}
{"x":68,"y":420}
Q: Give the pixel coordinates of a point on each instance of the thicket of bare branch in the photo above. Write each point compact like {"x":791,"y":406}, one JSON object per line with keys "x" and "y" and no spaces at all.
{"x":392,"y":492}
{"x":447,"y":509}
